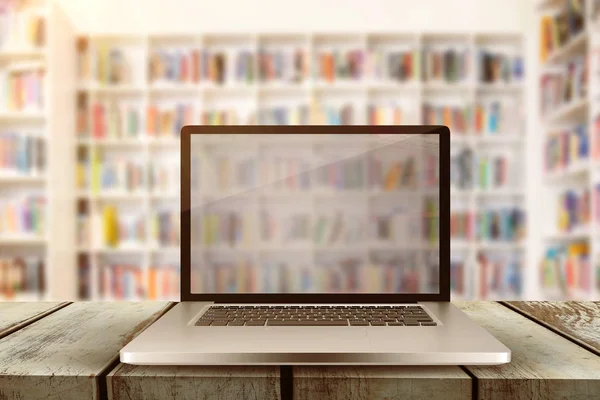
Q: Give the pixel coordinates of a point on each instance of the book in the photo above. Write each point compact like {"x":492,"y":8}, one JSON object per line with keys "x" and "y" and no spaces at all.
{"x":557,"y":28}
{"x":573,"y":209}
{"x":22,"y":154}
{"x":448,"y":65}
{"x":23,"y":215}
{"x":566,"y":268}
{"x":21,"y":275}
{"x":565,"y":147}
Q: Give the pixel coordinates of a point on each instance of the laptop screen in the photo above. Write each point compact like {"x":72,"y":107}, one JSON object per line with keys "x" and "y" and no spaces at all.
{"x":314,"y":213}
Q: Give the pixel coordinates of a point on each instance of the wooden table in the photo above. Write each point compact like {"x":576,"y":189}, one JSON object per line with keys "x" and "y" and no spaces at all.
{"x":70,"y":351}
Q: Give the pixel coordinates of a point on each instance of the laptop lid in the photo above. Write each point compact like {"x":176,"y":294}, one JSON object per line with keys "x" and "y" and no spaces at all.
{"x":315,"y":214}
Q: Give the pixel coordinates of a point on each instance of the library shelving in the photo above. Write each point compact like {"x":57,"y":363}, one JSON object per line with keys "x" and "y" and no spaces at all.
{"x":33,"y":36}
{"x":134,"y":92}
{"x":568,"y":111}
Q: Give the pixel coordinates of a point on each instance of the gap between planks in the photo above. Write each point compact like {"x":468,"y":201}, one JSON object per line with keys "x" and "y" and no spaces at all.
{"x":550,"y":327}
{"x":115,"y":363}
{"x":35,"y":318}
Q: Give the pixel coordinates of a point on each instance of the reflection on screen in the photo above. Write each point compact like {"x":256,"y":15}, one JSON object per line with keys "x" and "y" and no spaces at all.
{"x":314,"y":213}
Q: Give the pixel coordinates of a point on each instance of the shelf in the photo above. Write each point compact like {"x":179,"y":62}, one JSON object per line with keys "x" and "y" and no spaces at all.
{"x":566,"y":112}
{"x":499,"y":192}
{"x":21,"y":53}
{"x":112,"y":89}
{"x":23,"y":297}
{"x":572,"y":236}
{"x":579,"y":168}
{"x":22,"y":116}
{"x":575,"y":46}
{"x":500,"y":88}
{"x":16,"y":179}
{"x":22,"y":240}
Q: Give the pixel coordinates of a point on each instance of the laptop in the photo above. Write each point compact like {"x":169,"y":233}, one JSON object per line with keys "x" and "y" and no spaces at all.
{"x":315,"y":245}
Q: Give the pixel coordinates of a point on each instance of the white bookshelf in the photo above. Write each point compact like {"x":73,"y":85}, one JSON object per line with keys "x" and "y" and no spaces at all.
{"x":580,"y":174}
{"x":18,"y":54}
{"x":314,"y":93}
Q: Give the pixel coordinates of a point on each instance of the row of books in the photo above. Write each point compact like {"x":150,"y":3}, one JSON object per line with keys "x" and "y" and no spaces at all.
{"x":505,"y":224}
{"x":401,"y":174}
{"x":457,"y":118}
{"x":121,"y":229}
{"x":391,"y":114}
{"x":431,"y":219}
{"x":115,"y":174}
{"x":488,"y":275}
{"x":492,"y":171}
{"x":22,"y":90}
{"x":165,"y":228}
{"x":110,"y":119}
{"x":22,"y":26}
{"x":558,"y":28}
{"x":164,"y":177}
{"x":392,"y":65}
{"x":400,"y":274}
{"x":22,"y":154}
{"x":495,"y":67}
{"x":282,"y":65}
{"x":573,"y":209}
{"x":567,"y":268}
{"x":461,"y":225}
{"x":168,"y":120}
{"x":21,"y":275}
{"x":595,"y":138}
{"x":128,"y":282}
{"x":559,"y":88}
{"x":497,"y":117}
{"x":449,"y":65}
{"x":23,"y":215}
{"x":596,"y":201}
{"x":565,"y":147}
{"x":484,"y":171}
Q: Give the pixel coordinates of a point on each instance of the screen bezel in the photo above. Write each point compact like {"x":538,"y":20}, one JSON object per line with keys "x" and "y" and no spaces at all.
{"x":444,"y":215}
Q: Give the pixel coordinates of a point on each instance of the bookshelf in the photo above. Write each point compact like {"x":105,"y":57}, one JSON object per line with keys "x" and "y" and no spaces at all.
{"x":568,"y":43}
{"x":128,"y":166}
{"x":32,"y":92}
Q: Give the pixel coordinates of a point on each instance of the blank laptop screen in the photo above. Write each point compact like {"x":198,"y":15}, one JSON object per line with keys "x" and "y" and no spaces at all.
{"x":314,"y":213}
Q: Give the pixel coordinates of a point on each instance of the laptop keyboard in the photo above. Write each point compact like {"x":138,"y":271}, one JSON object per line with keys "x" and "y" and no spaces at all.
{"x":315,"y":316}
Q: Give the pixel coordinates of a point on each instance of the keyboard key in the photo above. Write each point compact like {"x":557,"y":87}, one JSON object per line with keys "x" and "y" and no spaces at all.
{"x":377,"y":323}
{"x":359,"y":323}
{"x":203,"y":322}
{"x":395,"y":323}
{"x":219,"y":323}
{"x":307,"y":323}
{"x":428,"y":324}
{"x":236,"y":323}
{"x":255,"y":323}
{"x":411,"y":323}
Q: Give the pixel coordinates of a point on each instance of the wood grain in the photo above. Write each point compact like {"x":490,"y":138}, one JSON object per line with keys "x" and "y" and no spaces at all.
{"x":381,"y":382}
{"x":14,"y":316}
{"x":130,"y":382}
{"x":544,"y":365}
{"x":580,"y":321}
{"x":61,"y":355}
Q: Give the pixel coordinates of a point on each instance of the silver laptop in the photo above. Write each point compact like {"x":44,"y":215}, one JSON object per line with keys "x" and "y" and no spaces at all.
{"x":315,"y":245}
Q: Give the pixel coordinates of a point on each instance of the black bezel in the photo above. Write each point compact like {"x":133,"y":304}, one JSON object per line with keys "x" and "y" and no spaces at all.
{"x":444,"y":216}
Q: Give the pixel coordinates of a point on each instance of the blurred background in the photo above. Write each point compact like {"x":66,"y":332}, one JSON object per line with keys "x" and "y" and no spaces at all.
{"x":93,"y":94}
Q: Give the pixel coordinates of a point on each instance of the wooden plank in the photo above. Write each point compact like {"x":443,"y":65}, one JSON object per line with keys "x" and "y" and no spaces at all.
{"x":131,"y":382}
{"x":544,"y":365}
{"x":61,"y":355}
{"x":381,"y":382}
{"x":580,"y":321}
{"x":14,"y":316}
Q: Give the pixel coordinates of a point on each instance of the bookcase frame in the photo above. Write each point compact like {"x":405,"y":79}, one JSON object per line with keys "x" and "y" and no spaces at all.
{"x":55,"y":124}
{"x":311,"y":91}
{"x":582,"y":174}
